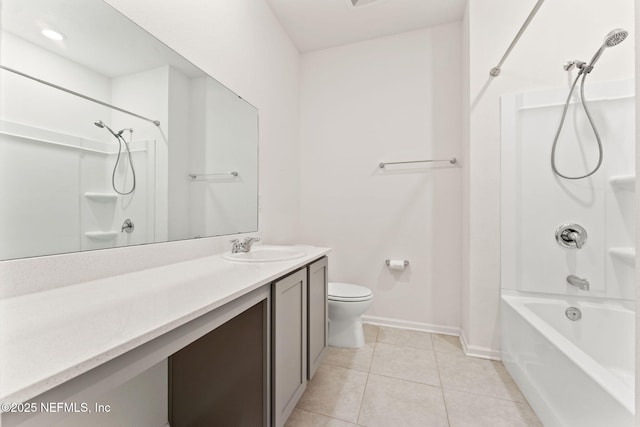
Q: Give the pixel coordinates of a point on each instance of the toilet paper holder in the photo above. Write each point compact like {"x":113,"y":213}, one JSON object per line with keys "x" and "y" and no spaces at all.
{"x":388,"y":262}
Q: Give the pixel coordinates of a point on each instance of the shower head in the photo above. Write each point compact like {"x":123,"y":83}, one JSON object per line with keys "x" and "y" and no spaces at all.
{"x":614,"y":38}
{"x":101,"y":125}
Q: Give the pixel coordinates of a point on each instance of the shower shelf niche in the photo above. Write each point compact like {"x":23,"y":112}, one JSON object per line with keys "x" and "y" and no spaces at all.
{"x":101,"y":235}
{"x":627,"y":255}
{"x":623,"y":182}
{"x":101,"y":197}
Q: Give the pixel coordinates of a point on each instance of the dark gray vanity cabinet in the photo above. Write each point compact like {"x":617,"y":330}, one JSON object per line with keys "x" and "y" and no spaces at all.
{"x":252,"y":370}
{"x":289,"y":344}
{"x":318,"y":314}
{"x":221,"y":379}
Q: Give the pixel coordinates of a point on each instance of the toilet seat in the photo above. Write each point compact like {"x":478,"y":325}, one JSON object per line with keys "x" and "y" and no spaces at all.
{"x":347,"y":292}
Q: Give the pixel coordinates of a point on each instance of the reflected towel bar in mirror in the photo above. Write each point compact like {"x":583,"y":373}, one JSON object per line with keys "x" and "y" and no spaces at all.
{"x":452,"y":161}
{"x":202,"y":175}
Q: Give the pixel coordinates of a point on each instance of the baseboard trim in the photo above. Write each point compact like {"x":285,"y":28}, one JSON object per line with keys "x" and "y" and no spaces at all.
{"x":416,"y":326}
{"x":477,"y":351}
{"x":469,"y":350}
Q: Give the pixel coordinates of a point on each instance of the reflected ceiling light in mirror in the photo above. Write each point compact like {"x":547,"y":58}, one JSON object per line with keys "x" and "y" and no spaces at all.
{"x":52,"y":34}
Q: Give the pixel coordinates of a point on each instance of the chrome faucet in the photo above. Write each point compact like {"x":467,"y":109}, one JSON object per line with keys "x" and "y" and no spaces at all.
{"x":245,"y":246}
{"x":582,"y":284}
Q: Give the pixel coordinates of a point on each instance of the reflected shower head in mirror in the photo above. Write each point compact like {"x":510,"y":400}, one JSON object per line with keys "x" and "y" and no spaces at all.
{"x":118,"y":136}
{"x":101,"y":125}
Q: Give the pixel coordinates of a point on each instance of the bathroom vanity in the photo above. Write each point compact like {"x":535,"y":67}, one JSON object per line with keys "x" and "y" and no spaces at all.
{"x":242,"y":339}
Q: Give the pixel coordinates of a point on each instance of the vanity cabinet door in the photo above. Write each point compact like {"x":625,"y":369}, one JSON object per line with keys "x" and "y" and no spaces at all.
{"x":318,"y":314}
{"x":221,"y":379}
{"x":289,"y":343}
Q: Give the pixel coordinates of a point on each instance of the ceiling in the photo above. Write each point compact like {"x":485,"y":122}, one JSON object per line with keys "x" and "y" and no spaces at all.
{"x":319,"y":24}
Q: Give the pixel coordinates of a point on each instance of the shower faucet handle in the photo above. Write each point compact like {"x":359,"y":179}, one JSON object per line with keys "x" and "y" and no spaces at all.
{"x":572,"y":236}
{"x":127,"y":226}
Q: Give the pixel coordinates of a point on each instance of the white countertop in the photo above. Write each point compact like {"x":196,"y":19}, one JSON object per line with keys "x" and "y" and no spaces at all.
{"x":48,"y":338}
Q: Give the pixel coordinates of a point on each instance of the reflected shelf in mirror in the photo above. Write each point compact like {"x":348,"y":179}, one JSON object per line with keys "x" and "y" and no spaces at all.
{"x":101,"y":235}
{"x":101,"y":197}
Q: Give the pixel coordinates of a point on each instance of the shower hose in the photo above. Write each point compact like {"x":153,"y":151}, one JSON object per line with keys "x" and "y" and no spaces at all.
{"x":593,"y":126}
{"x":121,"y":141}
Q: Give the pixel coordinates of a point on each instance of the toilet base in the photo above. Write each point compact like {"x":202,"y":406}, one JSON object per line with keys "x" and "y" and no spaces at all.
{"x":349,"y":334}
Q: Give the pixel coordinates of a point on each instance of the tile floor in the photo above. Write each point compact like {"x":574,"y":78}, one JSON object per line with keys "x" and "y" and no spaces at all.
{"x":403,"y":378}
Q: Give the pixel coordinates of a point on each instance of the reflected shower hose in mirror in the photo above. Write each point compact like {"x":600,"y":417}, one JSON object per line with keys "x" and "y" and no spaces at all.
{"x":121,"y":140}
{"x":614,"y":38}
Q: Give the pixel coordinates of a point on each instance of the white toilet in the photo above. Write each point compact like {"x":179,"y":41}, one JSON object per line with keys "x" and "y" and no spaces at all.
{"x":347,"y":303}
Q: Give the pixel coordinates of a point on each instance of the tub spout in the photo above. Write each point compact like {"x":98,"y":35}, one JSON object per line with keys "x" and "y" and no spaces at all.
{"x":582,"y":284}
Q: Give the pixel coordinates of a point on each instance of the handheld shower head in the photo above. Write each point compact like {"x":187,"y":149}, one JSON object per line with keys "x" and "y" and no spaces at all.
{"x":614,"y":38}
{"x":101,"y":125}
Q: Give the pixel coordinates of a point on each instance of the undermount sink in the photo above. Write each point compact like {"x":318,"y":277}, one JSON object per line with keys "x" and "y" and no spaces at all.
{"x":266,"y":253}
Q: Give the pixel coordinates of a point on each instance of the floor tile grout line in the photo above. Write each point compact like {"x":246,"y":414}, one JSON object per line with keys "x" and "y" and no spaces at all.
{"x":366,"y":383}
{"x":405,"y":380}
{"x":486,"y":395}
{"x":431,"y":334}
{"x":444,"y":400}
{"x":324,"y":415}
{"x":364,"y":391}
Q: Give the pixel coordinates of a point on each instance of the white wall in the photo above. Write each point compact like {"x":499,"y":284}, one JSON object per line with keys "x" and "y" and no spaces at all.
{"x":561,"y":31}
{"x":389,"y":99}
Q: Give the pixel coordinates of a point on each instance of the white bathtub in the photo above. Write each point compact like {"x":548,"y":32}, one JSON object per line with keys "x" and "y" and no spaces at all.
{"x":572,"y":373}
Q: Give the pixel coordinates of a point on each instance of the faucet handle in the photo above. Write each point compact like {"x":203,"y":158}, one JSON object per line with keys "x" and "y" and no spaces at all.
{"x":248,"y":241}
{"x":572,"y":236}
{"x":236,"y":246}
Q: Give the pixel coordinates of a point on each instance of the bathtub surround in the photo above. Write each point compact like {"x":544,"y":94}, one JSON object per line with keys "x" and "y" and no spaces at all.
{"x":543,"y":346}
{"x":481,"y":146}
{"x":536,"y":203}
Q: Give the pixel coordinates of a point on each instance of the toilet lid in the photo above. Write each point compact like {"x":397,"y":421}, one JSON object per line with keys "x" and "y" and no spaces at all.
{"x":348,"y":292}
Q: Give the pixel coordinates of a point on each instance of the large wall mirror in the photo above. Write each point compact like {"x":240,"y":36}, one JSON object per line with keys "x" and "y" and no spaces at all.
{"x":109,"y":138}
